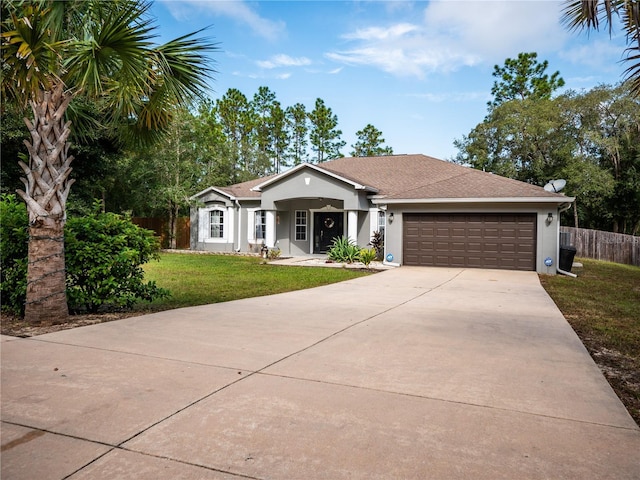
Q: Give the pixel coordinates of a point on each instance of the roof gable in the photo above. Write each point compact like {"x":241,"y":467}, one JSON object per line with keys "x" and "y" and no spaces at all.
{"x":317,"y":168}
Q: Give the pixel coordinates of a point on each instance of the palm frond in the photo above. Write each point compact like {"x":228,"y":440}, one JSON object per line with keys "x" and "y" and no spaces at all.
{"x":29,"y":57}
{"x":178,"y":75}
{"x":114,"y":46}
{"x":107,"y":54}
{"x":589,"y":14}
{"x":183,"y":67}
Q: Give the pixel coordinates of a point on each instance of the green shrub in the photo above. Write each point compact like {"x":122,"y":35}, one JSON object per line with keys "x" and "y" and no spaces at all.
{"x":343,"y":250}
{"x":104,"y":254}
{"x":274,"y":253}
{"x":14,"y":242}
{"x":367,"y":255}
{"x":377,"y":242}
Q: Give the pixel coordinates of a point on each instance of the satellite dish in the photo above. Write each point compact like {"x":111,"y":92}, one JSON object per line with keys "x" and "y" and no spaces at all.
{"x":554,"y":186}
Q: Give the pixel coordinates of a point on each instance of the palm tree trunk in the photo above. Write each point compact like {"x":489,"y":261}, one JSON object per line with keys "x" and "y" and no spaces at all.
{"x":46,"y":296}
{"x":47,"y":186}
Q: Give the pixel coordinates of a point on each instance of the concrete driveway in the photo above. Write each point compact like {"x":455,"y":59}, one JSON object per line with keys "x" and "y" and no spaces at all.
{"x":413,"y":373}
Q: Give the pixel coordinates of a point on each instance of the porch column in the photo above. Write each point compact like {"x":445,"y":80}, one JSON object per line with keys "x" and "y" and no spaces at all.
{"x":352,"y":225}
{"x":270,"y":234}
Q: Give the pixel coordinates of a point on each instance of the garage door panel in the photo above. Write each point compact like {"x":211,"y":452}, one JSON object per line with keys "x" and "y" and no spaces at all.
{"x":505,"y":241}
{"x":458,"y":247}
{"x":508,"y":248}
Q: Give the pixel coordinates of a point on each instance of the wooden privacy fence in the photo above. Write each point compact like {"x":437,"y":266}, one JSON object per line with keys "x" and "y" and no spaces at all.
{"x":160,"y":227}
{"x":613,"y":247}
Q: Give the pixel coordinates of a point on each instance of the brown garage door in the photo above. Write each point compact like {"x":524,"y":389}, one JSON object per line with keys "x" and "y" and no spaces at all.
{"x":504,"y":241}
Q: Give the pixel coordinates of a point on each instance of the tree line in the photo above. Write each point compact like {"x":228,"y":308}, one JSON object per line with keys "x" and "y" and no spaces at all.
{"x":590,"y":138}
{"x":93,"y":63}
{"x":259,"y":136}
{"x":217,"y":142}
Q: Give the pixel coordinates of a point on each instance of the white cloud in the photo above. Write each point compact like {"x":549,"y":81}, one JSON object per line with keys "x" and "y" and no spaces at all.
{"x":379,"y":33}
{"x":495,"y":29}
{"x":282,"y":60}
{"x":238,"y":10}
{"x":455,"y":34}
{"x":599,"y":54}
{"x":451,"y":96}
{"x":401,"y":49}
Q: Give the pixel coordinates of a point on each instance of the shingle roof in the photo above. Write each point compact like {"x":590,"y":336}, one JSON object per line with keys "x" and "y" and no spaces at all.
{"x":422,"y":177}
{"x":415,"y":177}
{"x":244,"y":189}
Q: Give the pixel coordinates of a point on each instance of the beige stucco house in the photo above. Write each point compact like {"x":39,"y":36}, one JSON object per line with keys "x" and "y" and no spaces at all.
{"x":431,"y":212}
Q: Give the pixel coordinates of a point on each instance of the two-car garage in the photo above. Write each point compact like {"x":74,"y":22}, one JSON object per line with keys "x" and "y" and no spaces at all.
{"x":470,"y":240}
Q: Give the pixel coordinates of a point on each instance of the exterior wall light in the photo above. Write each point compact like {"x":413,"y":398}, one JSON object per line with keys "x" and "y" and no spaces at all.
{"x":391,"y":217}
{"x":549,"y":218}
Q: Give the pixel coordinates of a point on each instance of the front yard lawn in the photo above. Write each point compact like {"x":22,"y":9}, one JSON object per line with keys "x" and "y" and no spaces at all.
{"x":200,"y":279}
{"x":603,"y":307}
{"x":602,"y":304}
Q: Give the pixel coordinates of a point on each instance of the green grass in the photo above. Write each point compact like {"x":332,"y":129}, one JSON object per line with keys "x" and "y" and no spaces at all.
{"x":203,"y":279}
{"x":603,"y":307}
{"x":603,"y":302}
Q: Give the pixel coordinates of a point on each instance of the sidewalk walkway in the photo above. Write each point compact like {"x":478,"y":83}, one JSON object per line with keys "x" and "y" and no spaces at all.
{"x":412,"y":373}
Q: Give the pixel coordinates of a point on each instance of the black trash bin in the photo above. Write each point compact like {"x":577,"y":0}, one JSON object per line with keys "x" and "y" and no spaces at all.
{"x":567,"y":252}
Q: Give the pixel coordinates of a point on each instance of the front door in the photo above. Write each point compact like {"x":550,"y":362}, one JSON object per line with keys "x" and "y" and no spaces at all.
{"x":326,"y":227}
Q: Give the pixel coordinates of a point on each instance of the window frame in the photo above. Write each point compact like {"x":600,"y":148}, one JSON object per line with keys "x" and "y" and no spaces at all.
{"x":220,"y":213}
{"x":260,"y":228}
{"x":305,"y":226}
{"x":382,"y":222}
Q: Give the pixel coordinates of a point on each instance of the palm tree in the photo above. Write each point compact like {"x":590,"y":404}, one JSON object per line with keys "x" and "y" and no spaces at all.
{"x":589,"y":14}
{"x":54,"y":52}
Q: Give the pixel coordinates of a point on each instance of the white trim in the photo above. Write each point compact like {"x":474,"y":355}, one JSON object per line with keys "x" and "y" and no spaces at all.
{"x":219,"y":213}
{"x":295,"y":225}
{"x":270,"y":229}
{"x":251,"y":225}
{"x":204,"y":224}
{"x":373,"y":221}
{"x":414,"y":201}
{"x":352,"y":225}
{"x":239,"y":225}
{"x":212,"y":189}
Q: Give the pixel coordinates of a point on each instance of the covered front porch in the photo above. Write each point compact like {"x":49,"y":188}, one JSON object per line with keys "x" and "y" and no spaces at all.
{"x":311,"y":207}
{"x":305,"y":226}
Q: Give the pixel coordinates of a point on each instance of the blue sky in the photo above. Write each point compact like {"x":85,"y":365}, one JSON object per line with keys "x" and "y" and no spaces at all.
{"x":421,"y":72}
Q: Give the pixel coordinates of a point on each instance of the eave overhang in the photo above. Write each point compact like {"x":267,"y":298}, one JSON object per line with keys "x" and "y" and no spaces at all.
{"x":415,"y":201}
{"x":214,"y":190}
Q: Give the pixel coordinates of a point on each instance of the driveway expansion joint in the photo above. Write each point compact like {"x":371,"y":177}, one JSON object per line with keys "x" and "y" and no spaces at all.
{"x":37,"y":432}
{"x":366,"y":418}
